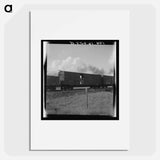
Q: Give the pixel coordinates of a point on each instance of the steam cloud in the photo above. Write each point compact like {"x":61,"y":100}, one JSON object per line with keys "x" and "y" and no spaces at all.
{"x":74,"y":65}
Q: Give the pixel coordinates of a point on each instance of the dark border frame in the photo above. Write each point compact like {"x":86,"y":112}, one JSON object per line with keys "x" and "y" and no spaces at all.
{"x":81,"y":117}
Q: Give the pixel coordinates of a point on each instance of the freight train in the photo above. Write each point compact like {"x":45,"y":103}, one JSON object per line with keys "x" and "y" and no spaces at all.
{"x":68,"y":80}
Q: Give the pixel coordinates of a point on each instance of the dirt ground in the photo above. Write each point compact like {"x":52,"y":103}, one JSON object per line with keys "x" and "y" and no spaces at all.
{"x":80,"y":102}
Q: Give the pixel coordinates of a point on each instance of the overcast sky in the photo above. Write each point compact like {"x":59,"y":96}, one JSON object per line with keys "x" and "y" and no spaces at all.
{"x":80,"y":58}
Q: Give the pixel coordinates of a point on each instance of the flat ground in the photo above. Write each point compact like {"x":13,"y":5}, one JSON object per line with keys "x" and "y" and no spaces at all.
{"x":80,"y":102}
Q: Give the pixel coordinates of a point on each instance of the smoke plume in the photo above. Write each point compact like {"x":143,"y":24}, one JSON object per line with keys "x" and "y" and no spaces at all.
{"x":73,"y":65}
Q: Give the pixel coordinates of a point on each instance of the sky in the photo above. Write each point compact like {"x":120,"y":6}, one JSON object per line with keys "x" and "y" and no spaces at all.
{"x":95,"y":59}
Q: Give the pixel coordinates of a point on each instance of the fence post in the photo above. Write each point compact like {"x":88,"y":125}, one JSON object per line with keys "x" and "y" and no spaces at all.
{"x":64,"y":98}
{"x":86,"y":89}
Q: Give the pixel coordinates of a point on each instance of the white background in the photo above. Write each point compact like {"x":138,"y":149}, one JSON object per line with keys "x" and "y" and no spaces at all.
{"x":80,"y":24}
{"x":144,"y":112}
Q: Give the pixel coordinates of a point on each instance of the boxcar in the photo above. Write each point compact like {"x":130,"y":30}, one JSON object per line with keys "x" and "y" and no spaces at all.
{"x":68,"y":80}
{"x":108,"y":80}
{"x":52,"y":82}
{"x":74,"y":79}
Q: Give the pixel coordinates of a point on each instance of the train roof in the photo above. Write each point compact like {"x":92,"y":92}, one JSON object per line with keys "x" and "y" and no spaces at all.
{"x":85,"y":73}
{"x":51,"y":76}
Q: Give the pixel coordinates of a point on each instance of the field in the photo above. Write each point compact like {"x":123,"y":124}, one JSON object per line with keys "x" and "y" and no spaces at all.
{"x":80,"y":102}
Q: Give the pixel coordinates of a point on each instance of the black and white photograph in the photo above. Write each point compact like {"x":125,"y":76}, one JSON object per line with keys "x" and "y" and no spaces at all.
{"x":79,"y":79}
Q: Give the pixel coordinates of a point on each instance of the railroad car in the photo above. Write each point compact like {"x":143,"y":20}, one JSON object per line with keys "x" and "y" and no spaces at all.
{"x":107,"y":80}
{"x":52,"y":82}
{"x":68,"y":80}
{"x":74,"y":79}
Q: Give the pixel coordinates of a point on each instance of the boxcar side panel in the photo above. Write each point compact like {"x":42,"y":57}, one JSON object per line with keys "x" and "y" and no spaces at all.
{"x":108,"y":80}
{"x":69,"y":78}
{"x":92,"y":80}
{"x":52,"y":81}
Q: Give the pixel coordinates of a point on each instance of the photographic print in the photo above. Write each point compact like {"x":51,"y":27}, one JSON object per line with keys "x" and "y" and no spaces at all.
{"x":79,"y":79}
